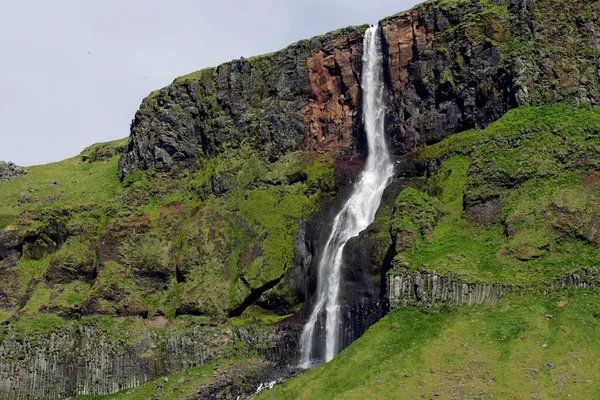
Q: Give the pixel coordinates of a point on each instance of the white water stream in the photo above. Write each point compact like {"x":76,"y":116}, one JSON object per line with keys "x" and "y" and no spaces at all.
{"x":356,"y":215}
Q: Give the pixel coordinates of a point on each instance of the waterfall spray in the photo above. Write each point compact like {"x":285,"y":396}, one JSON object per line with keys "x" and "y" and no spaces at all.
{"x":356,"y":215}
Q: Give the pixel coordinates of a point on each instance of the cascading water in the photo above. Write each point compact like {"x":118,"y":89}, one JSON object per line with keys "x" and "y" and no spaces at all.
{"x":356,"y":215}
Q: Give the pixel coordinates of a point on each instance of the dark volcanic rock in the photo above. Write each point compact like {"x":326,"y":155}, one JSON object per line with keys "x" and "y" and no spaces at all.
{"x":448,"y":67}
{"x":88,"y":361}
{"x":425,"y":289}
{"x":304,"y":96}
{"x":240,"y":380}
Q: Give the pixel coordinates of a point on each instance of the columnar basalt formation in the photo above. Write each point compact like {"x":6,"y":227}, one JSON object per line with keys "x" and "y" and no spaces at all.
{"x":90,"y":362}
{"x":582,"y":279}
{"x":425,"y":289}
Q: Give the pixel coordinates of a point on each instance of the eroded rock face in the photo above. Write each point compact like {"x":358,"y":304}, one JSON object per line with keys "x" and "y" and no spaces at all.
{"x":330,"y":115}
{"x":9,"y":171}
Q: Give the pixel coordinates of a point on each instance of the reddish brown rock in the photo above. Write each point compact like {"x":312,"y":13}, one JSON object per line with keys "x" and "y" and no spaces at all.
{"x":331,"y":111}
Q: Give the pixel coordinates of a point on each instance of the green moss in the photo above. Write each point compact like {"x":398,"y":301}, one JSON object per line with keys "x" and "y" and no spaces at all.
{"x":197,"y":76}
{"x":243,"y":236}
{"x":115,"y":293}
{"x":75,"y":257}
{"x":103,"y":151}
{"x":532,"y":163}
{"x":37,"y":326}
{"x":145,"y":254}
{"x":414,"y":217}
{"x":447,"y":77}
{"x":31,"y":270}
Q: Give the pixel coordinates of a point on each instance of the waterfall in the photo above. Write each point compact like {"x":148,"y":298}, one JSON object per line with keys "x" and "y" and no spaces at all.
{"x":356,"y":215}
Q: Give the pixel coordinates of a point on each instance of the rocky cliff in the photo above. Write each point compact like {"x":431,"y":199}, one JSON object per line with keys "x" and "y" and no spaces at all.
{"x":231,"y":175}
{"x":449,"y":66}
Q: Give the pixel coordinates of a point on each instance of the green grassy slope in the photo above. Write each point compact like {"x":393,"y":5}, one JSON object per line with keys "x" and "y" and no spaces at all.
{"x":530,"y":345}
{"x":70,"y":182}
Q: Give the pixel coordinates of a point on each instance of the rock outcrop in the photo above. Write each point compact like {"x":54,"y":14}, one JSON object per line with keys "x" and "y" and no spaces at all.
{"x":426,"y":289}
{"x":582,"y":279}
{"x":9,"y":171}
{"x":304,"y":96}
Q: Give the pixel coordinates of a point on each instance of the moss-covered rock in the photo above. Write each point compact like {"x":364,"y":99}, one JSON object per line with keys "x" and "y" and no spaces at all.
{"x":517,"y":201}
{"x":414,"y":217}
{"x":114,"y":293}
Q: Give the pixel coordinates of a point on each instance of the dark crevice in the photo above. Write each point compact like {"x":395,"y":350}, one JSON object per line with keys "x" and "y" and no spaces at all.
{"x":254,"y":295}
{"x":387,"y":265}
{"x":179,"y":275}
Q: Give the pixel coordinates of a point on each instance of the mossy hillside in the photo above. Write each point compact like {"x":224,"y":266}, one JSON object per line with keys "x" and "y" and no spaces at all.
{"x":516,"y":201}
{"x":528,"y":345}
{"x":192,"y":241}
{"x":248,"y":226}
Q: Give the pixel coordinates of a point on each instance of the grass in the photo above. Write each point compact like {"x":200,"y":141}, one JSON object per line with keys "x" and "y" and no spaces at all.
{"x":528,"y":346}
{"x":66,"y":183}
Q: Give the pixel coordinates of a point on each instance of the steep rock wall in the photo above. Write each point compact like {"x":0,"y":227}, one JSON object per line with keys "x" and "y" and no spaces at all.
{"x":304,"y":96}
{"x":449,"y":66}
{"x":425,"y":289}
{"x":454,"y":66}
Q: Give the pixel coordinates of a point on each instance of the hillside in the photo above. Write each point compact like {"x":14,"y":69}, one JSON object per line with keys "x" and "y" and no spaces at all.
{"x":514,"y":205}
{"x":188,"y":249}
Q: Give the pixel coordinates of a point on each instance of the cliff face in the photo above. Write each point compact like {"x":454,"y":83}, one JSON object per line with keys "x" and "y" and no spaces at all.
{"x":449,"y":65}
{"x":454,"y":66}
{"x":306,"y":96}
{"x":88,"y":361}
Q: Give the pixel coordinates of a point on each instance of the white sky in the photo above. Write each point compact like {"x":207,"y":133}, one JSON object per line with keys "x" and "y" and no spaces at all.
{"x":73,"y":72}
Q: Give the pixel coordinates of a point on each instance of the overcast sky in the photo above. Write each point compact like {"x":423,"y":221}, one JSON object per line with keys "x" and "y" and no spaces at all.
{"x":73,"y":72}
